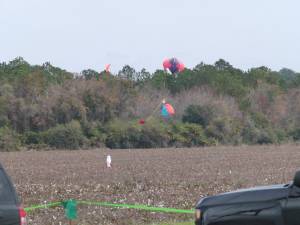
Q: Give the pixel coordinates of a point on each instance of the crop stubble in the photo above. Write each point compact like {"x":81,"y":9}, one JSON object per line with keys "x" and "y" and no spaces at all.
{"x":157,"y":177}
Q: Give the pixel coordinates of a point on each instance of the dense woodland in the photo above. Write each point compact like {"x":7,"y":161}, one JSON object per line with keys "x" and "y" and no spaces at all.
{"x":46,"y":107}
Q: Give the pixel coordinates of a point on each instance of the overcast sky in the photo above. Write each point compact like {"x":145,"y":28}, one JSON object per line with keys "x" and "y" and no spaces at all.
{"x":80,"y":34}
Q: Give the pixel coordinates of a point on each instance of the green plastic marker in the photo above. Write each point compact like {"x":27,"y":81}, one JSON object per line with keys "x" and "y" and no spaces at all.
{"x":70,"y":207}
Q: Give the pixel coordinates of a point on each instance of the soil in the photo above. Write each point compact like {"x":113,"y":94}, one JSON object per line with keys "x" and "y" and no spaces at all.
{"x":156,"y":177}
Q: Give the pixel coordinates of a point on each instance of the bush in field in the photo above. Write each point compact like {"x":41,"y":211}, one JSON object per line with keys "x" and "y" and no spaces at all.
{"x":267,"y":136}
{"x":133,"y":135}
{"x":225,"y":130}
{"x":189,"y":135}
{"x":9,"y":140}
{"x":295,"y":134}
{"x":121,"y":135}
{"x":155,"y":134}
{"x":31,"y":137}
{"x":199,"y":114}
{"x":253,"y":134}
{"x":94,"y":131}
{"x":69,"y":136}
{"x":4,"y":104}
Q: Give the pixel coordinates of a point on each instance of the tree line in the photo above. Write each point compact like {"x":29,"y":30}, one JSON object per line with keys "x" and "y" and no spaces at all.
{"x":45,"y":107}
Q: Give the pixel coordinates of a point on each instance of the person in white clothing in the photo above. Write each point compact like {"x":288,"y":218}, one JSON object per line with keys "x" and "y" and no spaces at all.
{"x":108,"y":161}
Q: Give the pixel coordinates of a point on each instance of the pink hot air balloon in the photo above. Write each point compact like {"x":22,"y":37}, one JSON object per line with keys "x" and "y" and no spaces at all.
{"x":166,"y":64}
{"x":173,"y":65}
{"x":107,"y":68}
{"x":181,"y":67}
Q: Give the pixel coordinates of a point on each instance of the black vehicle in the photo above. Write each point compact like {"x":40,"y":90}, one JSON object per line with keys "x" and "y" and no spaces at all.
{"x":269,"y":205}
{"x":11,"y":213}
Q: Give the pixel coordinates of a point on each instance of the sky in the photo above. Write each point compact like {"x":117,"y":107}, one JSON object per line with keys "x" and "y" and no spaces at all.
{"x":81,"y":34}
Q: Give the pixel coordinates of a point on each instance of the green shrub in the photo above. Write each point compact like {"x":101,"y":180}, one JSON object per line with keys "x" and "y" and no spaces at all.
{"x":257,"y":135}
{"x":69,"y":136}
{"x":199,"y":114}
{"x":121,"y":135}
{"x":9,"y":140}
{"x":250,"y":134}
{"x":225,"y":131}
{"x":260,"y":120}
{"x":153,"y":134}
{"x":267,"y":136}
{"x":95,"y":133}
{"x":189,"y":135}
{"x":31,"y":137}
{"x":281,"y":135}
{"x":4,"y":119}
{"x":295,"y":134}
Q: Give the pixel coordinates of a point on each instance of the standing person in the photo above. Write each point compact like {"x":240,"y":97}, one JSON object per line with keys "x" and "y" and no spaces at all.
{"x":108,"y":161}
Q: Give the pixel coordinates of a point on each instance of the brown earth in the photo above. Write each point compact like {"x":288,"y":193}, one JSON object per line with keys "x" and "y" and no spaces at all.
{"x":158,"y":177}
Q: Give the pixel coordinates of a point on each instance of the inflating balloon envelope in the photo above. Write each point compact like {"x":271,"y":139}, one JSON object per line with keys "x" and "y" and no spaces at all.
{"x":173,"y":65}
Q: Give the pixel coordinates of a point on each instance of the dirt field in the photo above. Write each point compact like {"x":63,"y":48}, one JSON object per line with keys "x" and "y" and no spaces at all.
{"x":158,"y":177}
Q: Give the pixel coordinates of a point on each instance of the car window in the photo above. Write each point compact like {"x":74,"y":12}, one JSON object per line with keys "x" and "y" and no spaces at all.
{"x":6,"y":194}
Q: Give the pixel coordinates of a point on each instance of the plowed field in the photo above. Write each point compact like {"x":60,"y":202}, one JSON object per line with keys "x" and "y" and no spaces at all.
{"x":157,"y":177}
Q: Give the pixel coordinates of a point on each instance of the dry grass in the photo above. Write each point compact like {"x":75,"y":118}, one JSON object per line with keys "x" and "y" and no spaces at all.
{"x":159,"y":177}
